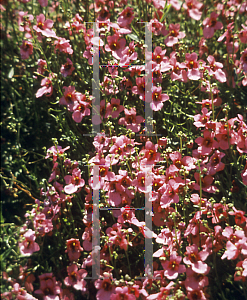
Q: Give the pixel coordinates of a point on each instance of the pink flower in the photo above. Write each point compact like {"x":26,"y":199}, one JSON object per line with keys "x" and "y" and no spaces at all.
{"x":55,"y":151}
{"x":206,"y":143}
{"x":193,"y":8}
{"x":131,"y":120}
{"x":75,"y":278}
{"x":206,"y":183}
{"x":178,"y":69}
{"x":173,"y":34}
{"x":122,"y":293}
{"x":73,"y":249}
{"x":43,"y":3}
{"x":80,"y":109}
{"x":74,"y":182}
{"x":172,"y":267}
{"x":44,"y":26}
{"x":211,"y":25}
{"x":201,"y":120}
{"x":129,"y":54}
{"x":67,"y":68}
{"x":241,"y":271}
{"x":87,"y":239}
{"x":63,"y":45}
{"x":158,"y":54}
{"x":150,"y":153}
{"x":244,"y":174}
{"x":42,"y":224}
{"x":28,"y":246}
{"x":49,"y":287}
{"x":243,"y":34}
{"x":115,"y":45}
{"x":158,"y":98}
{"x":26,"y":49}
{"x":42,"y":65}
{"x":126,"y":17}
{"x":114,"y":108}
{"x":139,"y":89}
{"x":169,"y":194}
{"x":193,"y":72}
{"x":215,"y":164}
{"x":47,"y":88}
{"x":187,"y":161}
{"x":243,"y":60}
{"x":195,"y":259}
{"x":105,"y":287}
{"x":69,"y":97}
{"x":231,"y":45}
{"x":139,"y":183}
{"x":155,"y":26}
{"x":127,"y":215}
{"x":195,"y":281}
{"x":215,"y":69}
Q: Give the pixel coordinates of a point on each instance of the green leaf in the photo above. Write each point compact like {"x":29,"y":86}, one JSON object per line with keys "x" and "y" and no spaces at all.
{"x":133,"y":37}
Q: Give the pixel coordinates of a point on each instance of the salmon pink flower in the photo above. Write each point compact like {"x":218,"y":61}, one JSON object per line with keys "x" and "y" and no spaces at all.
{"x":29,"y":246}
{"x":74,"y":182}
{"x":178,"y":69}
{"x":219,"y":213}
{"x":26,"y":49}
{"x":129,"y":55}
{"x":195,"y":259}
{"x":127,"y":215}
{"x":211,"y":25}
{"x":233,"y":250}
{"x":75,"y":278}
{"x":73,"y":249}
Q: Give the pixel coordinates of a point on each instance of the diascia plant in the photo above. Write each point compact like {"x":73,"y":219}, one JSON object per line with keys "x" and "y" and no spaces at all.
{"x":176,"y":67}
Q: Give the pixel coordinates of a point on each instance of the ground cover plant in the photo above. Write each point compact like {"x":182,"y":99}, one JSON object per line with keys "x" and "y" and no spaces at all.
{"x":191,"y":169}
